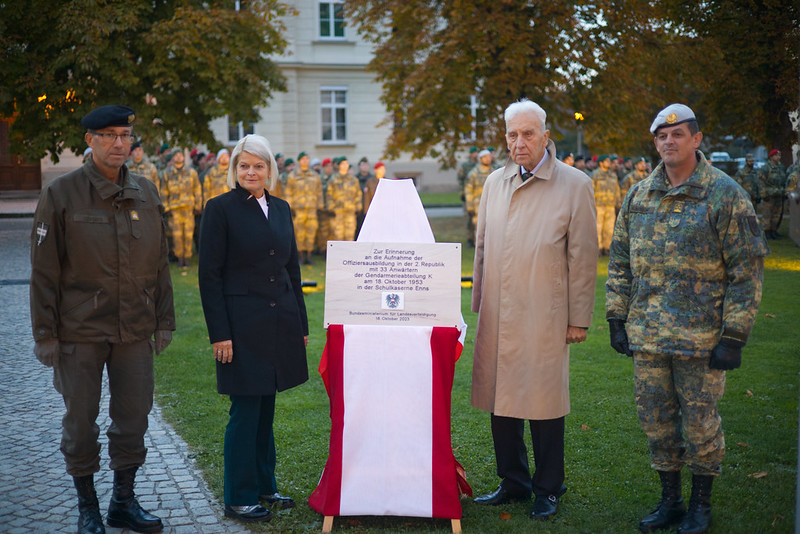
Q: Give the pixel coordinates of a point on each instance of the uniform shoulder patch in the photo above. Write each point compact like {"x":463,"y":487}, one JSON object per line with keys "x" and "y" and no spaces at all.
{"x":41,"y":232}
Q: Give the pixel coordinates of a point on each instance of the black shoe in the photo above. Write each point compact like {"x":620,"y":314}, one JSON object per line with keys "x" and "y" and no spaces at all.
{"x":253,"y":512}
{"x":277,"y":500}
{"x":124,"y":510}
{"x":545,"y":506}
{"x":698,"y":517}
{"x":500,"y":496}
{"x":670,"y":509}
{"x":89,"y":519}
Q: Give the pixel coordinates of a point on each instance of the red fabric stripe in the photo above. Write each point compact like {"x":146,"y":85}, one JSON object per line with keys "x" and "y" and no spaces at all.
{"x":326,"y":498}
{"x":444,"y":348}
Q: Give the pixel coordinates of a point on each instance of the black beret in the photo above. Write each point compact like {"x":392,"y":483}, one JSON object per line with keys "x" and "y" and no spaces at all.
{"x":106,"y":116}
{"x":135,"y":145}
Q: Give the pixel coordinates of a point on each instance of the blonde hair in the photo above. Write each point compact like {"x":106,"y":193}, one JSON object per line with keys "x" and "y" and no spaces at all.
{"x":258,"y":146}
{"x":525,"y":105}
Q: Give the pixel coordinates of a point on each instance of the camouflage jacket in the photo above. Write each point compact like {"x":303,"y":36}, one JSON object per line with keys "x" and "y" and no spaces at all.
{"x":463,"y":172}
{"x":215,"y":183}
{"x":182,"y":189}
{"x":772,"y":180}
{"x":633,"y":177}
{"x":747,"y":177}
{"x":792,"y":176}
{"x":344,"y":193}
{"x":686,"y":263}
{"x":474,"y":188}
{"x":304,"y":190}
{"x":606,"y":188}
{"x":146,"y":169}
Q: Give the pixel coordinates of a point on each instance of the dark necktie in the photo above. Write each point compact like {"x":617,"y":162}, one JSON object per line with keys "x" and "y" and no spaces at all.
{"x":526,"y":175}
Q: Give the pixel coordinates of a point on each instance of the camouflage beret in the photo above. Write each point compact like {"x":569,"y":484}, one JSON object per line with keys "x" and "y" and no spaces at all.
{"x":106,"y":116}
{"x":672,"y":115}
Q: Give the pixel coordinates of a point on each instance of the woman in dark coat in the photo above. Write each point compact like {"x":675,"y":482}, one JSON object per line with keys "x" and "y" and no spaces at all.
{"x":253,"y":304}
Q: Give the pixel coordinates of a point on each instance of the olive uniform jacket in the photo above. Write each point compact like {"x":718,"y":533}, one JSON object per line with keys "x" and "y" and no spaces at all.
{"x":251,"y":292}
{"x":99,"y":264}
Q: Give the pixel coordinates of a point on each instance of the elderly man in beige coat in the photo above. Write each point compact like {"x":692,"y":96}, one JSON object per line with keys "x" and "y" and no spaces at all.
{"x":534,"y":284}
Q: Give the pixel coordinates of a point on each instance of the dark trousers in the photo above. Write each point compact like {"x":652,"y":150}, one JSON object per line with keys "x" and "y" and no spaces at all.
{"x":79,"y":379}
{"x":249,"y":450}
{"x":512,"y":455}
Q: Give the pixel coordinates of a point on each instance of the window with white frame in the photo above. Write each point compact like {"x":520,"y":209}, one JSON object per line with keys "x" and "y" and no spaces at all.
{"x":331,"y":19}
{"x":237,"y":130}
{"x":333,"y":107}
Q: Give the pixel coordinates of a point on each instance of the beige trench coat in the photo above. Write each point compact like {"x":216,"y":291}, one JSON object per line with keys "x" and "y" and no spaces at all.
{"x":534,"y":274}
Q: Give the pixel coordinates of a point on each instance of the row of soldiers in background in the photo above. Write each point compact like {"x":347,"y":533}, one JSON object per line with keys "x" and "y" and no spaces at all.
{"x":328,"y":201}
{"x":769,"y":186}
{"x":471,"y":176}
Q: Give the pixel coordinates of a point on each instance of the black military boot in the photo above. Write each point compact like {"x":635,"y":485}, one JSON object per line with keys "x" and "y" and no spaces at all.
{"x":698,"y":518}
{"x":89,"y":521}
{"x":125,"y":511}
{"x":670,"y":508}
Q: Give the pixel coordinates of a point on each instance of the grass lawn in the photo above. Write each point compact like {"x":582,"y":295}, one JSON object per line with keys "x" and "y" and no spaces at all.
{"x":611,"y":485}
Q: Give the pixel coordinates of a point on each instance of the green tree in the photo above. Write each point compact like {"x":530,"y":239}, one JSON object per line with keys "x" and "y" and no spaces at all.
{"x":178,"y":63}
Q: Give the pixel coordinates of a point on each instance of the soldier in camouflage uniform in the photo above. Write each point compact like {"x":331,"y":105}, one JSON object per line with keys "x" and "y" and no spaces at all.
{"x":183,"y":198}
{"x":474,"y":189}
{"x":464,"y":168}
{"x":684,"y":284}
{"x":139,"y":165}
{"x":606,"y":199}
{"x":793,"y":174}
{"x":324,"y":216}
{"x":772,"y":184}
{"x":344,"y":198}
{"x":304,"y":195}
{"x":638,"y":174}
{"x":747,"y":177}
{"x":216,"y":180}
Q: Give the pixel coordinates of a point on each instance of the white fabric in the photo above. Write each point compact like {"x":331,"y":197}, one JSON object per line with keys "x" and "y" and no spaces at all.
{"x":264,"y":206}
{"x":396,"y":215}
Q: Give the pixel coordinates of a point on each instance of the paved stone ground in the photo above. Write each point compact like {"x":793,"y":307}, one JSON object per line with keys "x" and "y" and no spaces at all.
{"x":36,"y":494}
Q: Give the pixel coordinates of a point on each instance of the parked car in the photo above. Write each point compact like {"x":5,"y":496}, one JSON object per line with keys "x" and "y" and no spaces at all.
{"x":719,"y":156}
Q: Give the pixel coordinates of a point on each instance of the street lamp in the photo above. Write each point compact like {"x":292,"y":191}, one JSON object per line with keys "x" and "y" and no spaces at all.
{"x":579,"y":121}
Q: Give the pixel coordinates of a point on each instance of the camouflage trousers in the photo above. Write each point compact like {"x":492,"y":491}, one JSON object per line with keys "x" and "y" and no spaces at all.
{"x":305,"y":228}
{"x":182,"y":228}
{"x":343,"y":226}
{"x":324,"y":231}
{"x":676,"y":400}
{"x":472,"y":224}
{"x":771,"y":210}
{"x":606,"y":217}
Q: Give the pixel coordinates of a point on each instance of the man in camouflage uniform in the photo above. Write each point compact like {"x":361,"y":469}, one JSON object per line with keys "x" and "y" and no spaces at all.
{"x":638,"y":174}
{"x":684,"y":284}
{"x":772,"y":185}
{"x":183,"y":198}
{"x":324,"y":216}
{"x":464,"y":168}
{"x":606,"y":199}
{"x":137,"y":164}
{"x":473,"y":191}
{"x":304,"y":195}
{"x":747,"y":177}
{"x":216,"y":180}
{"x":344,"y":198}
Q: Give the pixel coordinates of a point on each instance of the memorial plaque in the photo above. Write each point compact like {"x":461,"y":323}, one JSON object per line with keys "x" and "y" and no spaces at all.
{"x":403,"y":284}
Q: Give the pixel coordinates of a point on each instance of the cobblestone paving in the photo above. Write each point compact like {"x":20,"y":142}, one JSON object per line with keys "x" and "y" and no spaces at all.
{"x":36,"y":494}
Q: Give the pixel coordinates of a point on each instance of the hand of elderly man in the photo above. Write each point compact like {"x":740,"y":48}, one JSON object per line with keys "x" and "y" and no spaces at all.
{"x":726,"y":355}
{"x":47,"y":352}
{"x":162,"y":340}
{"x":619,"y":338}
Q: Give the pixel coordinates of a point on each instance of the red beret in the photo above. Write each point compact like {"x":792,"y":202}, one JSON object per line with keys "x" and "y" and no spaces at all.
{"x":193,"y":153}
{"x":773,"y":152}
{"x":379,"y":164}
{"x":326,"y":161}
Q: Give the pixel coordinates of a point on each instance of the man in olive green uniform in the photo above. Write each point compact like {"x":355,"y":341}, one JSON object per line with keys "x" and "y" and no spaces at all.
{"x":304,"y":195}
{"x":638,"y":174}
{"x":747,"y":177}
{"x":344,"y":198}
{"x":100,"y":290}
{"x":464,"y":168}
{"x":606,"y":199}
{"x":772,"y":185}
{"x":216,"y":180}
{"x":137,"y":164}
{"x":183,"y":198}
{"x":684,"y":284}
{"x":473,"y":191}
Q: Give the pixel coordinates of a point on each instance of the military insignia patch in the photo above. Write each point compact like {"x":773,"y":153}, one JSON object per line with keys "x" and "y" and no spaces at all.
{"x":41,"y":232}
{"x":131,"y":118}
{"x":671,"y":118}
{"x":134,"y":215}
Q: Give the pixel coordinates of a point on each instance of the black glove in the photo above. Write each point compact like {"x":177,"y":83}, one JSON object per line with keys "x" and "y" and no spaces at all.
{"x":726,"y":355}
{"x":619,"y":338}
{"x":47,"y":352}
{"x":162,"y":340}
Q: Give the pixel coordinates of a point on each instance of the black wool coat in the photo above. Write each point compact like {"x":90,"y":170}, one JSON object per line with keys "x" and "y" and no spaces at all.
{"x":251,"y":291}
